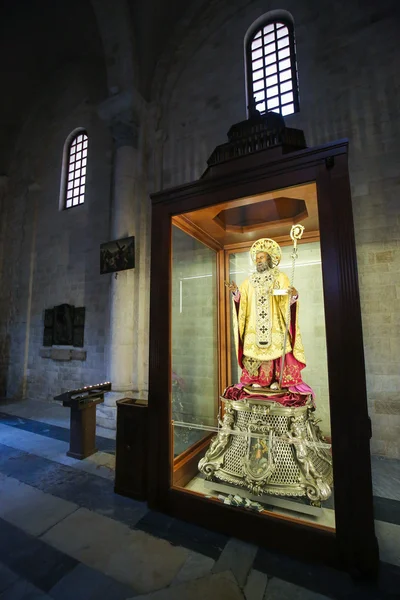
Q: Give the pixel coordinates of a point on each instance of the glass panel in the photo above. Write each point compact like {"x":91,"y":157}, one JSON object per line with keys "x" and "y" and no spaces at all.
{"x":311,"y":323}
{"x":283,"y":53}
{"x":273,"y":103}
{"x":257,"y":43}
{"x":259,"y":85}
{"x":271,"y":70}
{"x":286,"y":87}
{"x":257,"y":54}
{"x":252,"y":438}
{"x":270,"y":48}
{"x":194,"y":339}
{"x":283,"y":42}
{"x":285,"y":75}
{"x":257,"y":65}
{"x":273,"y":91}
{"x":284,"y":64}
{"x":282,"y":32}
{"x":287,"y":98}
{"x":270,"y":59}
{"x":287,"y":110}
{"x":260,"y":96}
{"x":258,"y":74}
{"x":268,"y":28}
{"x":272,"y":80}
{"x":261,"y":107}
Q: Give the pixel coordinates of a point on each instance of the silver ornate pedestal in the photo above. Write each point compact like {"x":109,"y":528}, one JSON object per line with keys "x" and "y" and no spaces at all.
{"x":267,"y":448}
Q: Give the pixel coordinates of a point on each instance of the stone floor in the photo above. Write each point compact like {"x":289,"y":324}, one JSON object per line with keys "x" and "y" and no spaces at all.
{"x":65,"y":535}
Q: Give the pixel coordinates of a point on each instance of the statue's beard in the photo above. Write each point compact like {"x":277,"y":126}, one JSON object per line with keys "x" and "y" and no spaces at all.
{"x":262,"y":267}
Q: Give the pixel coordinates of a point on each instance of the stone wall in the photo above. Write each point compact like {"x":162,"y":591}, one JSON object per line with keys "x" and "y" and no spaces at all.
{"x":348,"y":56}
{"x":51,"y":256}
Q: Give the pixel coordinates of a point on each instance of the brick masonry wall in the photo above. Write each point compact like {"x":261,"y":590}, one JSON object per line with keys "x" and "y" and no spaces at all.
{"x":52,"y":256}
{"x":348,"y":56}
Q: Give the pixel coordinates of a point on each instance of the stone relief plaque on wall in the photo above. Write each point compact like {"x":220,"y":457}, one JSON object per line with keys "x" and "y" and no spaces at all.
{"x":64,"y":326}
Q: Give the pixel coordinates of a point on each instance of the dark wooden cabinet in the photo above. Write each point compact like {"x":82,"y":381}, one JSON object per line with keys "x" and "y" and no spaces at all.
{"x":246,"y":171}
{"x":131,"y":449}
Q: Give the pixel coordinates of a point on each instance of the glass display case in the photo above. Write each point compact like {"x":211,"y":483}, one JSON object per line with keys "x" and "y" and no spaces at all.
{"x":257,"y":377}
{"x":265,"y":450}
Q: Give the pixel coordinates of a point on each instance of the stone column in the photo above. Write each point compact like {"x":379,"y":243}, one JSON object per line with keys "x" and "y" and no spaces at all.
{"x":4,"y":336}
{"x":127,"y":351}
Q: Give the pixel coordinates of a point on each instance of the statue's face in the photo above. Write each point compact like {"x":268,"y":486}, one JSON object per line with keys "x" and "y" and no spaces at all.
{"x":262,"y":261}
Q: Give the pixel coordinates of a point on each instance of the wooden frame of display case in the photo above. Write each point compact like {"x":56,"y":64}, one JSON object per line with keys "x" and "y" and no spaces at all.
{"x":352,"y":546}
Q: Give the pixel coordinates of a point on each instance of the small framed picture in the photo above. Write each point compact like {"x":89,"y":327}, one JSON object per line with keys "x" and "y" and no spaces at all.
{"x":117,"y":255}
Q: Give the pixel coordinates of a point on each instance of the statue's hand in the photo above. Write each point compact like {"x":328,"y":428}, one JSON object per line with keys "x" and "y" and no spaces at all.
{"x":231,"y":285}
{"x":293,"y":292}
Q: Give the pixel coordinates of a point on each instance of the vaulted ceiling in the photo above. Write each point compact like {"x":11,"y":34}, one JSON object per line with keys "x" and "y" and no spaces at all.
{"x":41,"y":37}
{"x":153,"y":24}
{"x":38,"y":38}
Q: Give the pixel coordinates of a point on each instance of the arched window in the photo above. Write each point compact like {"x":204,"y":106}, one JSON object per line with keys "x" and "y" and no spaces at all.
{"x":74,"y":169}
{"x":271,"y":65}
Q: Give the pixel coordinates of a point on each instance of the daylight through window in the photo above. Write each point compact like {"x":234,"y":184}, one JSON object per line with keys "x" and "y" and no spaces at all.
{"x":76,"y":173}
{"x":271,"y":69}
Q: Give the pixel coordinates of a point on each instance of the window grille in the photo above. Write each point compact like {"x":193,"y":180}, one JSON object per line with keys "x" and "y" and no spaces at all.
{"x":271,"y":68}
{"x":76,"y":170}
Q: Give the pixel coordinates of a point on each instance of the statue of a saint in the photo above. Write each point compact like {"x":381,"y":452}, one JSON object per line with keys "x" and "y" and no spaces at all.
{"x":265,"y":307}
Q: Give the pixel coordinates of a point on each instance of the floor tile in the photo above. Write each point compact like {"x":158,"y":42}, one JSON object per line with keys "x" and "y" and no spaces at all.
{"x":51,"y":412}
{"x":30,"y":509}
{"x":147,"y":564}
{"x":181,"y":533}
{"x":318,"y":578}
{"x":196,"y":538}
{"x":131,"y":557}
{"x":156,"y":524}
{"x":282,"y":590}
{"x":84,"y":583}
{"x":31,"y":559}
{"x":389,"y":542}
{"x":23,"y":590}
{"x":387,"y":510}
{"x":196,"y":565}
{"x":89,"y":537}
{"x":84,"y":489}
{"x":55,"y":449}
{"x":256,"y":585}
{"x":51,"y":430}
{"x":386,"y":477}
{"x":7,"y":577}
{"x":237,"y":557}
{"x":221,"y":586}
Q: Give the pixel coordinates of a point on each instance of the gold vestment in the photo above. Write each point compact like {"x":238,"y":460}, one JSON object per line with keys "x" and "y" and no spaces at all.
{"x":261,"y":318}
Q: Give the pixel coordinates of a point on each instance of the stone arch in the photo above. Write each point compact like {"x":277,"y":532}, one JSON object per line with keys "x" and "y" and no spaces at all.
{"x":114,"y":24}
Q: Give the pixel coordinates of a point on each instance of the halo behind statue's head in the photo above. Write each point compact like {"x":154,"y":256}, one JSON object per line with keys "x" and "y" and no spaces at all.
{"x":270,"y":247}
